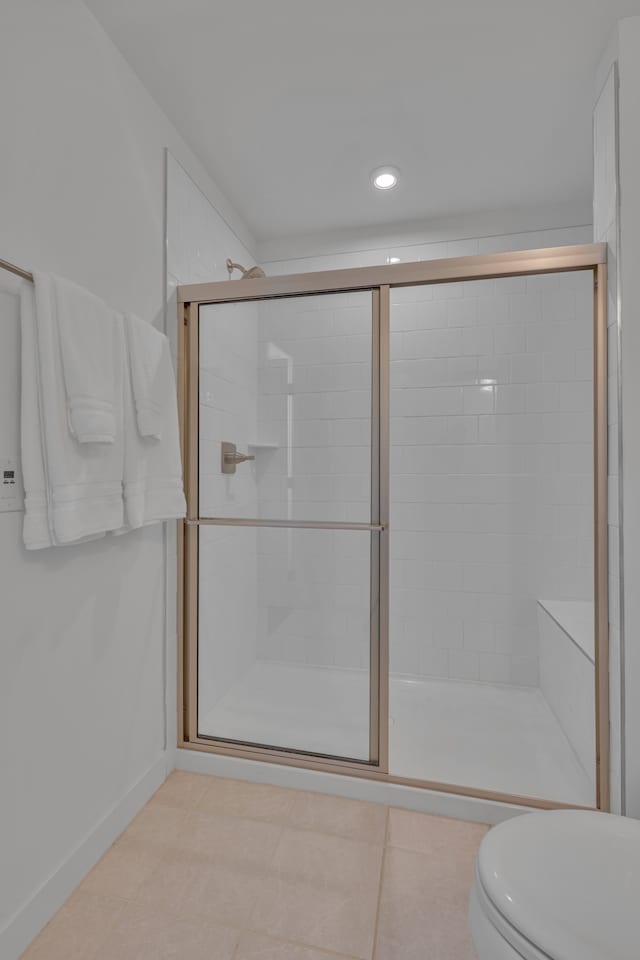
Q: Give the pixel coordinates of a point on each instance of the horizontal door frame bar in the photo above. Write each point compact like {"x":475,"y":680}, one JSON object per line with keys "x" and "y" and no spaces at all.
{"x":302,"y":524}
{"x":585,"y":256}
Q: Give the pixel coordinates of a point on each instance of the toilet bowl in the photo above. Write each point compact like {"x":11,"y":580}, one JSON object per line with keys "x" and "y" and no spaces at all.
{"x":558,"y":885}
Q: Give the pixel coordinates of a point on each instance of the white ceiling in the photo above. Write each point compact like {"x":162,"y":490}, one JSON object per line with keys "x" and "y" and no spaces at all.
{"x":482,"y":104}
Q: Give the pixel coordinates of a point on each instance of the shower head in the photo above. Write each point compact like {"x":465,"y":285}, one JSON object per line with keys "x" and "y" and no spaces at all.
{"x":253,"y":273}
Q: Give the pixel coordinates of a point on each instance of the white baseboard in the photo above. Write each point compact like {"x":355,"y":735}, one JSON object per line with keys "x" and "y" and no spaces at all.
{"x":31,"y":917}
{"x":356,"y":788}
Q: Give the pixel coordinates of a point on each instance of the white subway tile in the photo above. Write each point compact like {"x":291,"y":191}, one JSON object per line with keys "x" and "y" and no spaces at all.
{"x":494,"y":668}
{"x":462,"y":370}
{"x":584,"y":364}
{"x":526,"y":367}
{"x":461,"y":313}
{"x":524,"y":671}
{"x":494,"y":368}
{"x":559,"y":366}
{"x":493,"y":311}
{"x":525,"y":308}
{"x":433,"y":662}
{"x":430,"y":401}
{"x":447,"y":291}
{"x":418,"y":373}
{"x":464,"y":665}
{"x":478,"y":399}
{"x":421,"y":430}
{"x":543,"y":397}
{"x":462,"y":429}
{"x":510,"y":339}
{"x":479,"y":636}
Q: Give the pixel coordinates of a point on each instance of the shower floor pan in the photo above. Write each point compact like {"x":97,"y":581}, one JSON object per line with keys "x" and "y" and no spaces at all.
{"x":481,"y":735}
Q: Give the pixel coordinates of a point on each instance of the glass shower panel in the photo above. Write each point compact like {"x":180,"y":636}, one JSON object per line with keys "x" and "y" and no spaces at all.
{"x":288,"y":382}
{"x":284,"y":638}
{"x":491,"y":544}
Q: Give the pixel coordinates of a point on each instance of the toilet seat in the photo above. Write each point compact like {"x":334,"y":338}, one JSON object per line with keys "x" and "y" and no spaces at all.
{"x":561,"y":885}
{"x":493,"y":935}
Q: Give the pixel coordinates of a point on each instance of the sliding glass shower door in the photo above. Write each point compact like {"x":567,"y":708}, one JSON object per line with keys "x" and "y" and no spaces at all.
{"x":396,"y":551}
{"x":288,"y":524}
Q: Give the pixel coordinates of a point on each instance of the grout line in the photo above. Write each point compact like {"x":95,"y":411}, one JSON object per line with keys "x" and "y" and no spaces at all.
{"x":382,"y":865}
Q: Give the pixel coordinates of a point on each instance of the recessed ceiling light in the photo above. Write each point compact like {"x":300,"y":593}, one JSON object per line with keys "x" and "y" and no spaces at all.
{"x":384,"y":178}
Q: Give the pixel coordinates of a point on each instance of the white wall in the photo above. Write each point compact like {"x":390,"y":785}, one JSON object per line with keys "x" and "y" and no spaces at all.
{"x":629,"y":72}
{"x":456,"y":239}
{"x":199,"y":241}
{"x":82,"y":652}
{"x":617,"y":209}
{"x":354,"y":245}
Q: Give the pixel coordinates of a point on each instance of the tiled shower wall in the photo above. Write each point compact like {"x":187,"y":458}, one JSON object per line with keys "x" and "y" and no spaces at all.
{"x":315,"y":407}
{"x":491,"y":470}
{"x":491,"y":464}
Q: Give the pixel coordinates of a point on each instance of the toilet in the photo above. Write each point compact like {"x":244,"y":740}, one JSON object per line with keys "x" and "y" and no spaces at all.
{"x":558,"y":885}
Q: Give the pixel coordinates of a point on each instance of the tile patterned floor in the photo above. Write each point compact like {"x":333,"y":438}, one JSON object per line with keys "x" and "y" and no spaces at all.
{"x":215,"y":869}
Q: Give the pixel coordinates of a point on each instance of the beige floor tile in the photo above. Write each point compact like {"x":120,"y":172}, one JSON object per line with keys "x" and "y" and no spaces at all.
{"x":436,"y":836}
{"x":182,"y":789}
{"x":240,"y":798}
{"x":78,"y":930}
{"x":337,"y":815}
{"x":423,"y":909}
{"x":164,"y":889}
{"x":223,"y":893}
{"x":230,"y":839}
{"x":143,"y":934}
{"x":254,"y":946}
{"x":327,"y":861}
{"x":158,"y":825}
{"x":123,"y":868}
{"x":197,"y":887}
{"x":319,"y":916}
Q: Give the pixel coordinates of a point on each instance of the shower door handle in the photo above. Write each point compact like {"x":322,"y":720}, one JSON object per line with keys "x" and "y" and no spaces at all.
{"x":230,"y":457}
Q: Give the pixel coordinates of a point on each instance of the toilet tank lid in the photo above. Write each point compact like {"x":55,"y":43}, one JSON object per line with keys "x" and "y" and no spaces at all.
{"x":568,"y":880}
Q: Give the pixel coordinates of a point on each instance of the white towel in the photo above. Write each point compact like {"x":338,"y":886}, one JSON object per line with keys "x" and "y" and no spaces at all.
{"x":153,"y":489}
{"x":146,"y":347}
{"x":36,"y":532}
{"x":73,"y":491}
{"x":88,"y":331}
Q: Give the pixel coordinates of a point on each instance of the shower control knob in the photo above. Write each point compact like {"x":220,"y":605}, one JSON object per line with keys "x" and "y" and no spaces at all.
{"x":237,"y":457}
{"x":231,"y":458}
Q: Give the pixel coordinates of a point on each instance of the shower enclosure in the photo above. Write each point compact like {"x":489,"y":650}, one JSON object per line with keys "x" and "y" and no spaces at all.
{"x":395,"y":558}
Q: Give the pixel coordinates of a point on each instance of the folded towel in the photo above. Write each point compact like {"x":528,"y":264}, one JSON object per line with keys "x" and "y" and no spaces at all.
{"x":73,"y":491}
{"x":146,"y":347}
{"x":153,"y":488}
{"x":88,"y":331}
{"x":36,"y":532}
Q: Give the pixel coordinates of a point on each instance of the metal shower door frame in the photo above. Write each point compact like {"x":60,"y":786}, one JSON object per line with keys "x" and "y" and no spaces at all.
{"x":380,"y":280}
{"x":188,"y":342}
